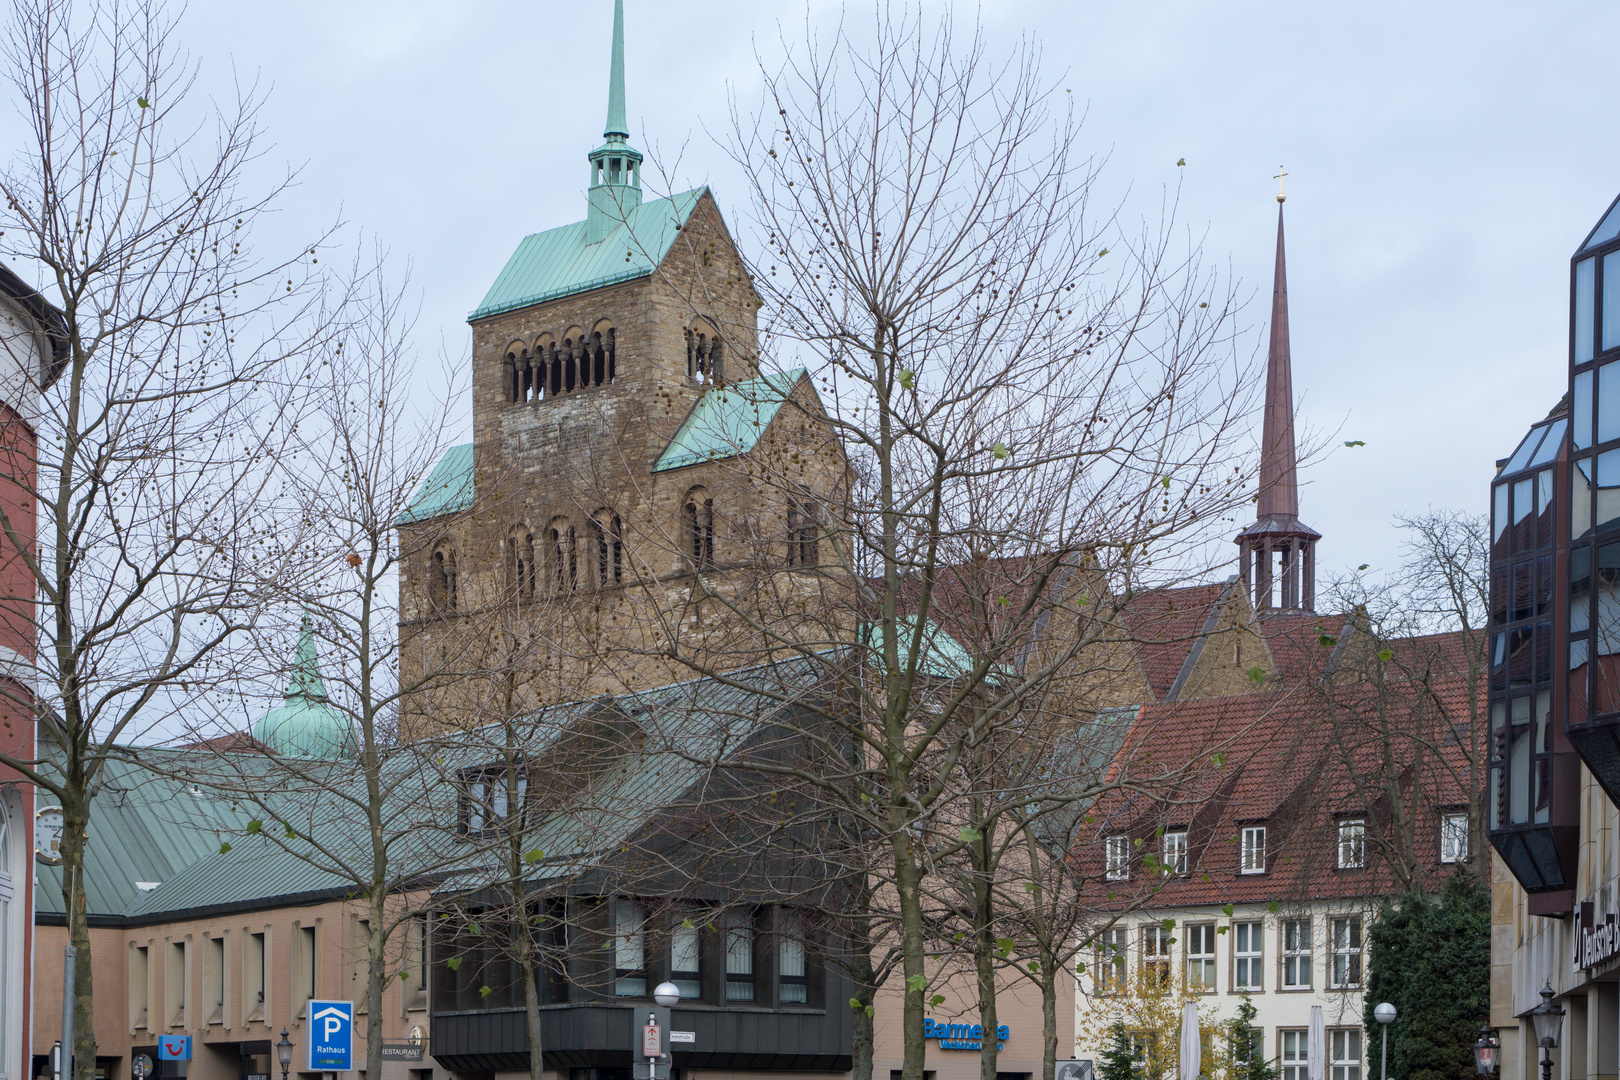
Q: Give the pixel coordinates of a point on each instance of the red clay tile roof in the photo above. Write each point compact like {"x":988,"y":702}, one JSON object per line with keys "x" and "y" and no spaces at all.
{"x":1164,"y":623}
{"x":1295,"y":760}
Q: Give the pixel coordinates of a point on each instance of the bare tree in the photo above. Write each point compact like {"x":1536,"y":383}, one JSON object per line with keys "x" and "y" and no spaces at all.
{"x":1008,"y":378}
{"x":355,"y":800}
{"x":157,"y":442}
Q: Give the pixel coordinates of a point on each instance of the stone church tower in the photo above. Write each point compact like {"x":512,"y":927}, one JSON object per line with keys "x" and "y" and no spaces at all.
{"x":637,"y":497}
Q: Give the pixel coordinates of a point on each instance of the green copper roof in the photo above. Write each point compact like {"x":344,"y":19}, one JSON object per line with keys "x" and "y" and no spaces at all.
{"x":559,"y":262}
{"x":728,"y":420}
{"x":448,"y":488}
{"x":307,"y":725}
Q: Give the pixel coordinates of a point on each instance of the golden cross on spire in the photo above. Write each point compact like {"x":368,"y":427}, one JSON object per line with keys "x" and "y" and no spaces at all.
{"x":1279,"y":178}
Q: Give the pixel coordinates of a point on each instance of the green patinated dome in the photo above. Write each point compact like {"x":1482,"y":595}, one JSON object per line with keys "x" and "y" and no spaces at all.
{"x":306,"y":725}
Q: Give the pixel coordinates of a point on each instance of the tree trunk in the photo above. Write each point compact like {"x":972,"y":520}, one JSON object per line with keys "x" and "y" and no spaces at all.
{"x":913,"y":956}
{"x":75,"y":814}
{"x":865,"y":980}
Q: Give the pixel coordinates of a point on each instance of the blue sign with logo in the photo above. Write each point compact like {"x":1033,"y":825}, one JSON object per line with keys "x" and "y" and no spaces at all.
{"x":958,"y":1036}
{"x":174,"y":1048}
{"x":331,"y":1036}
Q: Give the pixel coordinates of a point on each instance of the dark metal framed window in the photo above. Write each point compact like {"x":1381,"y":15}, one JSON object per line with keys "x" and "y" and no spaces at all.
{"x":792,"y":963}
{"x":686,"y":956}
{"x":739,"y":945}
{"x":629,"y":949}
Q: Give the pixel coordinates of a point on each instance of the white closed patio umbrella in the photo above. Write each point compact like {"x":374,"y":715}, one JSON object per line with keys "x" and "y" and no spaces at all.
{"x":1192,"y":1044}
{"x":1316,"y":1046}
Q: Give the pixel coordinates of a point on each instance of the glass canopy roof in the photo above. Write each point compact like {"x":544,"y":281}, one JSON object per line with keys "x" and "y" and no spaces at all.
{"x":1607,"y":229}
{"x":1534,"y":450}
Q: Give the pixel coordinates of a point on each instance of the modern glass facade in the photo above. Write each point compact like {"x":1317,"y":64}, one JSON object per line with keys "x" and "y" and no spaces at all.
{"x":1555,"y":597}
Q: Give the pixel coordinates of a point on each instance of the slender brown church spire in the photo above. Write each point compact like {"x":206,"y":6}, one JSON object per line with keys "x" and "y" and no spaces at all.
{"x":1277,"y":554}
{"x":1279,"y":489}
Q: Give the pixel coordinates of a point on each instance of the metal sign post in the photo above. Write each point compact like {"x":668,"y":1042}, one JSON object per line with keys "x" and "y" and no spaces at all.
{"x":652,"y":1063}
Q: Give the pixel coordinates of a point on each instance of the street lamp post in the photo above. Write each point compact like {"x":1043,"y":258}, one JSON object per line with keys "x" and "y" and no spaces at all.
{"x":1548,"y":1018}
{"x":284,"y":1053}
{"x":1486,"y":1051}
{"x":1384,"y":1013}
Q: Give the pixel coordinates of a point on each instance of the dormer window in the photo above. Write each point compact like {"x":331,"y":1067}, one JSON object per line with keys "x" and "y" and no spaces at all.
{"x":491,"y":796}
{"x":1252,"y":850}
{"x":1352,"y":847}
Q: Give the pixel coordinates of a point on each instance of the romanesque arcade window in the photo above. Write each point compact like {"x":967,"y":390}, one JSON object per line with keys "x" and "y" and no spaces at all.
{"x":705,"y":354}
{"x":699,"y":513}
{"x":520,"y":563}
{"x":442,"y":578}
{"x":560,"y":554}
{"x":552,"y":366}
{"x":607,"y":547}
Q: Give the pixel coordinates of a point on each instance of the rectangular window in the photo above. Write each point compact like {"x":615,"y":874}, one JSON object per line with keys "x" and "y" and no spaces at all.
{"x":253,"y":977}
{"x":360,"y":972}
{"x":1581,"y":408}
{"x":1145,"y":1051}
{"x":629,"y":950}
{"x":413,"y":970}
{"x":1248,"y":956}
{"x":175,"y":984}
{"x":1344,"y":1054}
{"x":686,"y":958}
{"x":1296,"y":954}
{"x":1454,"y":833}
{"x":1249,"y":1046}
{"x":1252,"y":854}
{"x":1352,"y":844}
{"x":1175,"y":853}
{"x":1295,"y":1051}
{"x":1111,"y":966}
{"x":1201,"y":958}
{"x":1583,"y":309}
{"x":214,"y":979}
{"x":1155,"y":957}
{"x":140,"y":987}
{"x":1119,"y":858}
{"x":1346,"y":953}
{"x":304,"y":986}
{"x":792,"y":976}
{"x":739,"y":956}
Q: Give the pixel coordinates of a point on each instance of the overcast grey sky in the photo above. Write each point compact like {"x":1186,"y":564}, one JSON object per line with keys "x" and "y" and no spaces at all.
{"x":1445,"y":160}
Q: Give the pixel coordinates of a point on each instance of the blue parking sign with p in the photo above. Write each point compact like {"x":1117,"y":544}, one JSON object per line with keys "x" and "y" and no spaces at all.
{"x":331,"y":1036}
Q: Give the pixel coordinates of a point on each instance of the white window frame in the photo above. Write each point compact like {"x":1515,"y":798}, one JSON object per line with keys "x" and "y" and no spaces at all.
{"x":1296,"y":958}
{"x":1352,"y":846}
{"x":1113,"y":960}
{"x":1156,"y":953}
{"x":1118,"y":851}
{"x":1454,"y":837}
{"x":1252,"y":850}
{"x":1249,"y":955}
{"x":1293,"y":1052}
{"x":1341,"y":1064}
{"x":1200,"y":957}
{"x":1175,"y":852}
{"x":1346,"y":946}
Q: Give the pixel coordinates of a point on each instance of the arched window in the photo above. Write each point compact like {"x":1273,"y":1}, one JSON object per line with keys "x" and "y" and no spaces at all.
{"x":607,"y":547}
{"x":703,"y":354}
{"x":803,"y":533}
{"x":699,"y":513}
{"x":560,"y":553}
{"x":545,"y":352}
{"x":612,"y":355}
{"x":520,"y":562}
{"x":442,"y":578}
{"x":512,"y":378}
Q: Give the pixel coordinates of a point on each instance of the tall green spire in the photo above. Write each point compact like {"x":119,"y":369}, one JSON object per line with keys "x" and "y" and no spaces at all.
{"x":615,"y":165}
{"x":616,"y":125}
